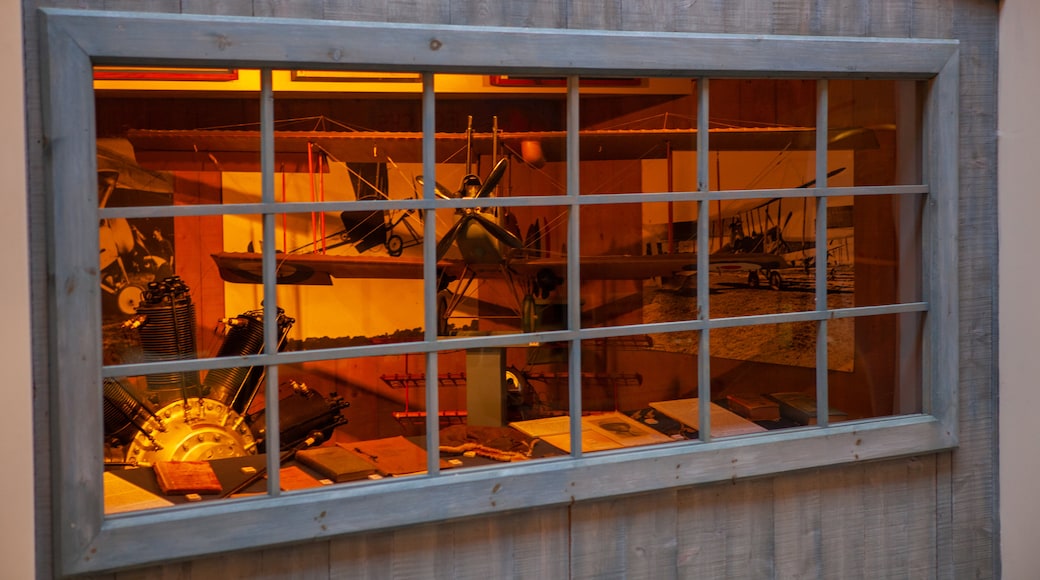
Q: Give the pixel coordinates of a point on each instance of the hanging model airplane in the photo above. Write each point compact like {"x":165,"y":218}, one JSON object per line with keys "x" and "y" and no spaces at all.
{"x":486,"y":249}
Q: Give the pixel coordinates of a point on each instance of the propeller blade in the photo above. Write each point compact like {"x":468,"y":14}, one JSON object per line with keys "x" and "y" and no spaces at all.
{"x":441,"y":191}
{"x":446,"y":241}
{"x":494,"y":177}
{"x":501,"y":234}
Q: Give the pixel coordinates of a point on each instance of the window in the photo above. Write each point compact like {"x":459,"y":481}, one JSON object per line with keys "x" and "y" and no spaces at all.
{"x":654,"y":242}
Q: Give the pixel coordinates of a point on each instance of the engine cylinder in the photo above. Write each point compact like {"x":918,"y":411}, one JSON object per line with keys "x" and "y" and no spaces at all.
{"x":167,"y":332}
{"x":236,"y":387}
{"x":124,"y":413}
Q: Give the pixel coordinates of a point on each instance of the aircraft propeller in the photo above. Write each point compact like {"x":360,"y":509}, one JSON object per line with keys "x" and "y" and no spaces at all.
{"x":482,"y":190}
{"x":493,"y":178}
{"x":473,"y":188}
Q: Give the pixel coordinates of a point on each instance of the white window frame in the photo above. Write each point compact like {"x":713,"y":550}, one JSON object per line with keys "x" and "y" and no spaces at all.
{"x":73,"y":41}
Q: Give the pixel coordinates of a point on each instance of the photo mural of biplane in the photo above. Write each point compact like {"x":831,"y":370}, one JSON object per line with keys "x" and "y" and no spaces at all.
{"x":133,"y":252}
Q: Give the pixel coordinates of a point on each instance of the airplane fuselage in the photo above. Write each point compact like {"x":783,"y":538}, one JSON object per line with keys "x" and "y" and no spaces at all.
{"x":477,"y":246}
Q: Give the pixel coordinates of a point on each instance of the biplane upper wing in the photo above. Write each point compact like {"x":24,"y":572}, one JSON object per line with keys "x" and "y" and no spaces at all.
{"x":403,"y":146}
{"x":319,"y":269}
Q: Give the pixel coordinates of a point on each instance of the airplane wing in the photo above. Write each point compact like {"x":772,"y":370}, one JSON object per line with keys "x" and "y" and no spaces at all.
{"x":746,"y":262}
{"x":621,"y":267}
{"x":404,"y":147}
{"x":319,"y":269}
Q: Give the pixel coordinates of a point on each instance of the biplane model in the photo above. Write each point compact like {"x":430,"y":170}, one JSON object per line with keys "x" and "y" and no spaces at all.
{"x":486,"y":248}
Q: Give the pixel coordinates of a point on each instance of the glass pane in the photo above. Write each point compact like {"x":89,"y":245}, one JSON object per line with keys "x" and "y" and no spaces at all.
{"x":500,"y":135}
{"x":162,"y":293}
{"x":133,"y":254}
{"x":341,"y":296}
{"x":168,"y":446}
{"x":334,"y":295}
{"x":874,"y":249}
{"x":791,"y":344}
{"x":165,"y":135}
{"x":622,"y":379}
{"x":502,"y":405}
{"x":875,"y":130}
{"x":618,"y":380}
{"x":347,"y":135}
{"x":763,"y":133}
{"x":629,"y":276}
{"x":763,"y":264}
{"x":754,"y":368}
{"x":502,"y":270}
{"x":880,"y":372}
{"x":350,"y":421}
{"x":638,"y":135}
{"x":176,"y":289}
{"x":630,"y":375}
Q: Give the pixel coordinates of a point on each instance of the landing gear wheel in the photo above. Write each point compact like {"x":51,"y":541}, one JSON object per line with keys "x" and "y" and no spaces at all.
{"x":527,"y":314}
{"x":775,"y":281}
{"x":515,"y":381}
{"x":128,"y":298}
{"x":394,"y":245}
{"x":752,"y":279}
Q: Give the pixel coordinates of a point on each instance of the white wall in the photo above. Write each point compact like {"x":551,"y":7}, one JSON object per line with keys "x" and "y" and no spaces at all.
{"x":16,"y":484}
{"x":1019,"y":215}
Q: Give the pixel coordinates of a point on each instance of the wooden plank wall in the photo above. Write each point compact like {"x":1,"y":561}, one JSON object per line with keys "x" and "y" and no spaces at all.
{"x":918,"y":517}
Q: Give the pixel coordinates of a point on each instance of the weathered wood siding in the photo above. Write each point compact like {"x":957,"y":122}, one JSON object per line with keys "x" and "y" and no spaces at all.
{"x":918,"y":517}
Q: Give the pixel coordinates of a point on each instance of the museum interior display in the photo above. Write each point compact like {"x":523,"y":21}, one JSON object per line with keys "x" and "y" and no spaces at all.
{"x":523,"y":252}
